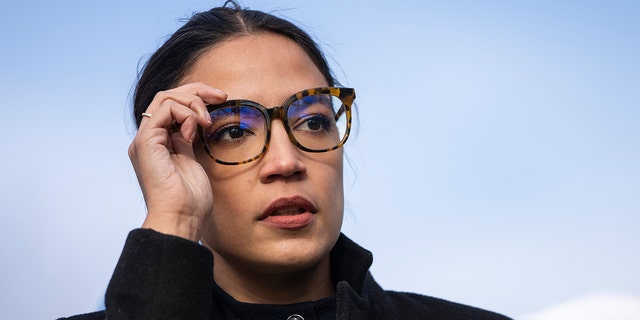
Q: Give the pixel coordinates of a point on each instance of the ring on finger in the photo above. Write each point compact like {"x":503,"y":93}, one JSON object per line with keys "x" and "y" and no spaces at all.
{"x":148,"y":115}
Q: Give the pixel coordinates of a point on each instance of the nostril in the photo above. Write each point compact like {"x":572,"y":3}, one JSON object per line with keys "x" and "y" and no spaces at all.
{"x":291,"y":170}
{"x":279,"y":167}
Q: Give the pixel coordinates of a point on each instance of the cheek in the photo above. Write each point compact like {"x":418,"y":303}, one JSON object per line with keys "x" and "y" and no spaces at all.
{"x":334,"y":196}
{"x":333,"y":163}
{"x":232,"y":216}
{"x":329,"y":174}
{"x":226,"y":181}
{"x":231,"y":188}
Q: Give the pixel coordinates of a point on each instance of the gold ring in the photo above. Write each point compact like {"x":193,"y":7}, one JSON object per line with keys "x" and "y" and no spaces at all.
{"x":148,"y":115}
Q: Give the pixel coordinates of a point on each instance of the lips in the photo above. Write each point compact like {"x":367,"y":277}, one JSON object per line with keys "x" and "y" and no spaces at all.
{"x":289,"y":213}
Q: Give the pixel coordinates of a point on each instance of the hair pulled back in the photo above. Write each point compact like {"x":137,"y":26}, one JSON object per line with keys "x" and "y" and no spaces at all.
{"x":171,"y":62}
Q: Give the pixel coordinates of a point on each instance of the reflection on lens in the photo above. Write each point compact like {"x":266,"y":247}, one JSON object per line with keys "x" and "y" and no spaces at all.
{"x":238,"y":133}
{"x":313,"y":122}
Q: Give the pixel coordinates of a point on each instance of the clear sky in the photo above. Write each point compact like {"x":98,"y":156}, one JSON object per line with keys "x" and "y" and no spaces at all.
{"x":497,"y":159}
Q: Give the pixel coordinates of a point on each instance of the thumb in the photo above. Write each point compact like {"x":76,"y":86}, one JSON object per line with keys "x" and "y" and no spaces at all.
{"x":182,"y":146}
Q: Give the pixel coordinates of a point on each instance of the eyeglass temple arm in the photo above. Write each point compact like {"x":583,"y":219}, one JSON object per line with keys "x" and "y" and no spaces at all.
{"x":340,"y":112}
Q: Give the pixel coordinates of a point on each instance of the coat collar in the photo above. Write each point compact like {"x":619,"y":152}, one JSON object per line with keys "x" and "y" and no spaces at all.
{"x":355,"y":286}
{"x":350,"y":262}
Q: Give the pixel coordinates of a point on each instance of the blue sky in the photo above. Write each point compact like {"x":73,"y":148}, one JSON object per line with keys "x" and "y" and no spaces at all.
{"x":496,"y":162}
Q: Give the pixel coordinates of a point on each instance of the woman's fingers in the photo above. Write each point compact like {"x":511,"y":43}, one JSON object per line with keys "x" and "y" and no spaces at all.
{"x":194,"y":96}
{"x":171,"y":116}
{"x":185,"y":106}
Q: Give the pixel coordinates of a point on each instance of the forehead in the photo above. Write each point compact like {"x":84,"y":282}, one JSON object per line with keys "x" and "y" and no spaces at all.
{"x":263,"y":67}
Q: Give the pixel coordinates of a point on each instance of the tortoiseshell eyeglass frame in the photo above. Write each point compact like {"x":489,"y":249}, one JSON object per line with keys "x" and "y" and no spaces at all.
{"x":346,"y":95}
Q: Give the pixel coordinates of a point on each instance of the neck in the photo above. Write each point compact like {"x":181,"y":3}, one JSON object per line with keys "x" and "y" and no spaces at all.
{"x":249,"y":286}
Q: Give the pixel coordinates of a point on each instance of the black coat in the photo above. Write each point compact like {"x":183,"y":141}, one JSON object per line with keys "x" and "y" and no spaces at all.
{"x":164,"y":277}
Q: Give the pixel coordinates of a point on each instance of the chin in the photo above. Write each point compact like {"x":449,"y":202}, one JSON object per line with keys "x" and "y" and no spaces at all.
{"x":290,"y":255}
{"x":296,"y":254}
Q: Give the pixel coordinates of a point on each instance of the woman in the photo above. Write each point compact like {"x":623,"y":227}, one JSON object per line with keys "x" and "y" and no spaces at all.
{"x":229,"y":178}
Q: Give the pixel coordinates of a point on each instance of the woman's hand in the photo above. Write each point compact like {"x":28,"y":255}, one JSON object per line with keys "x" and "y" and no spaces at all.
{"x":176,"y":188}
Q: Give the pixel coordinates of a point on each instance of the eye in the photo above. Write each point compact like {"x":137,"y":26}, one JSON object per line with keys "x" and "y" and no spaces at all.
{"x":232,"y":126}
{"x":230,"y":133}
{"x":314,"y":123}
{"x":312,"y":114}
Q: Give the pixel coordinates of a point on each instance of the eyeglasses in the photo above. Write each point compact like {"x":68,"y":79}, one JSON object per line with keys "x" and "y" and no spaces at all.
{"x":316,"y":120}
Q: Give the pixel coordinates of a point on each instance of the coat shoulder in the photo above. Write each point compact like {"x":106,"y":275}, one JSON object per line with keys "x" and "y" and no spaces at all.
{"x":98,"y":315}
{"x":417,"y":306}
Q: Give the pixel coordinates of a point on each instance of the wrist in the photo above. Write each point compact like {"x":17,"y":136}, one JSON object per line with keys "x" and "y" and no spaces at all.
{"x":174,"y":224}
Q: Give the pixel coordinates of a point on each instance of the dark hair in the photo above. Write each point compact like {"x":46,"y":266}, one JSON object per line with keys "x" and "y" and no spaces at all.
{"x":170,"y":63}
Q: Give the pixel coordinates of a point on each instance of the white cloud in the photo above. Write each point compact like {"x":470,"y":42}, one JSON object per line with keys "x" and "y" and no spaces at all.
{"x":596,"y":306}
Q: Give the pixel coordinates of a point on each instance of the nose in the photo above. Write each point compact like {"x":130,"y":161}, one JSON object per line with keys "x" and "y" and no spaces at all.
{"x":282,"y":158}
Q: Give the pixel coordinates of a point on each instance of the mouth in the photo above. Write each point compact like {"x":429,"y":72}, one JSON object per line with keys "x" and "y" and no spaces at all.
{"x":289,"y":213}
{"x":289,"y":207}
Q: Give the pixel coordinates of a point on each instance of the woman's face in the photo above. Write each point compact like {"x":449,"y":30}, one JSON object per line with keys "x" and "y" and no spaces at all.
{"x":283,"y":212}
